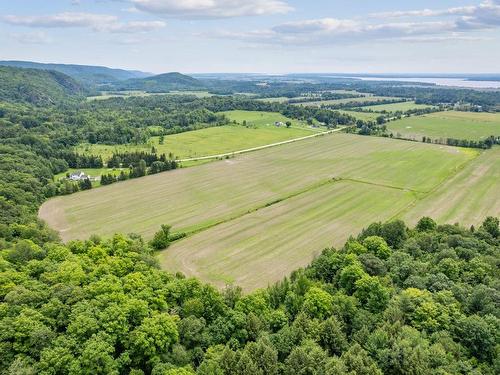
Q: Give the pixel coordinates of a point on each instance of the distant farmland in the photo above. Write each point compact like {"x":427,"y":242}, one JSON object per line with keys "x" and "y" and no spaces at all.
{"x":393,"y":107}
{"x":363,"y":99}
{"x":329,"y":185}
{"x":451,"y":124}
{"x":260,"y":130}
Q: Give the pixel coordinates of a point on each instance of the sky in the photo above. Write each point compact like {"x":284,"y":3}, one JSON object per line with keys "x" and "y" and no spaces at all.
{"x":257,"y":36}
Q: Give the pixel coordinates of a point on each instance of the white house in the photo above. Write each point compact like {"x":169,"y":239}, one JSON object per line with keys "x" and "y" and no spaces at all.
{"x":278,"y":123}
{"x":78,"y":175}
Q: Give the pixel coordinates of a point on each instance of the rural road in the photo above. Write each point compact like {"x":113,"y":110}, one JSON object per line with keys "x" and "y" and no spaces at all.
{"x":260,"y":147}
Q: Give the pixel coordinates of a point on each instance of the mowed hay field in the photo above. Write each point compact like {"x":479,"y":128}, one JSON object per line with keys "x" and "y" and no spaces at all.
{"x":468,"y":197}
{"x":450,"y":124}
{"x":313,"y":192}
{"x":260,"y":131}
{"x":263,"y":246}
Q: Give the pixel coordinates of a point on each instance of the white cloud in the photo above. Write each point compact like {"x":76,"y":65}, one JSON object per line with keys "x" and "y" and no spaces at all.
{"x":447,"y":24}
{"x":212,"y":8}
{"x":67,"y":19}
{"x":484,"y":15}
{"x":97,"y":22}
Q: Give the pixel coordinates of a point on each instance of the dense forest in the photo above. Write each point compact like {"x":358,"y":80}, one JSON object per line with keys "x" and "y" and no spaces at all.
{"x":40,"y":87}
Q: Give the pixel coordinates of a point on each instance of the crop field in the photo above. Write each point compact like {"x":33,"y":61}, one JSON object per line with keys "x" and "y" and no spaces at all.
{"x":450,"y":124}
{"x":403,"y":107}
{"x":364,"y":100}
{"x":468,"y":197}
{"x":328,"y":181}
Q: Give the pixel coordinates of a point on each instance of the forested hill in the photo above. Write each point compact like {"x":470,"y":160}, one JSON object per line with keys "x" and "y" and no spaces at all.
{"x":87,"y":74}
{"x":161,"y":83}
{"x":40,"y":87}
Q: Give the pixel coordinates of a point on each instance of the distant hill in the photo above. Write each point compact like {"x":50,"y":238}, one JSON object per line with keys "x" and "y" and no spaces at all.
{"x":90,"y":75}
{"x":39,"y":87}
{"x":161,"y":83}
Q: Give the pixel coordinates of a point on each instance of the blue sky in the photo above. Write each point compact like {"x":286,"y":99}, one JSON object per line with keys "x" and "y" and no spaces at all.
{"x":265,"y":36}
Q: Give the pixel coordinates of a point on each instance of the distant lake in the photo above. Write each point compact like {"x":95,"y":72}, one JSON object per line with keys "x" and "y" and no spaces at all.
{"x":454,"y":82}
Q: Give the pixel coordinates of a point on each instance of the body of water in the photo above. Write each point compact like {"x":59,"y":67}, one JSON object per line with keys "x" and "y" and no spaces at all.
{"x":450,"y":82}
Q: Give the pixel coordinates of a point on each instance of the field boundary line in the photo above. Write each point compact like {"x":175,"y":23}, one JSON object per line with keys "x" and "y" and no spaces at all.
{"x":381,"y":185}
{"x":425,"y":195}
{"x":244,"y":151}
{"x":294,"y":194}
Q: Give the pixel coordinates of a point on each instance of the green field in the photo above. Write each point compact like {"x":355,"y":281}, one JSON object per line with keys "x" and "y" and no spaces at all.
{"x":285,"y":236}
{"x":450,"y":124}
{"x":327,"y":182}
{"x":260,"y":130}
{"x":365,"y":116}
{"x":92,"y":172}
{"x":468,"y":197}
{"x":403,"y":107}
{"x":364,"y":99}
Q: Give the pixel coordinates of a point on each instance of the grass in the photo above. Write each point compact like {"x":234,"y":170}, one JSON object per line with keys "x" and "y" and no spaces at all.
{"x":364,"y":99}
{"x":260,"y":130}
{"x":467,"y":198}
{"x":92,"y":172}
{"x":277,"y":239}
{"x":450,"y":124}
{"x":365,"y":116}
{"x":403,"y":107}
{"x":254,"y":218}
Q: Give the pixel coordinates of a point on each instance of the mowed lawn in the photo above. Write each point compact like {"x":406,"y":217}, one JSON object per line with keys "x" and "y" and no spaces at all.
{"x":193,"y":198}
{"x":403,"y":107}
{"x":468,"y":197}
{"x":450,"y":124}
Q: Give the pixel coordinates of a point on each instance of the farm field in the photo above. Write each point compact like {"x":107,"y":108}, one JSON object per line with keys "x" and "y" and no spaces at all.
{"x":267,"y":241}
{"x":203,"y":142}
{"x":365,"y":116}
{"x":261,"y":118}
{"x":468,"y":197}
{"x":375,"y":185}
{"x":364,"y":99}
{"x":450,"y":124}
{"x":403,"y":107}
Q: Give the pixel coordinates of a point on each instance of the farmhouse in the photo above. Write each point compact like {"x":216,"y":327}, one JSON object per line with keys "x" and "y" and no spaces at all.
{"x":78,"y":176}
{"x":278,"y":123}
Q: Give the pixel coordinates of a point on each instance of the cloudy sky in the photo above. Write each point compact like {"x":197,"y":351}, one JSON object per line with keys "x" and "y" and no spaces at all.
{"x":265,"y":36}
